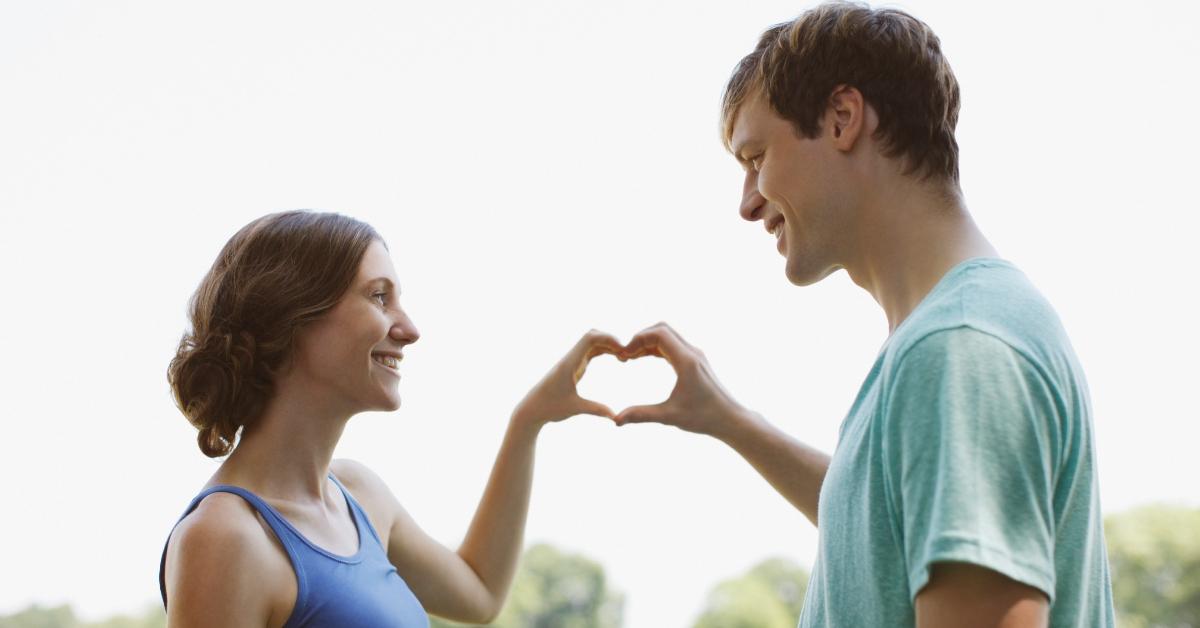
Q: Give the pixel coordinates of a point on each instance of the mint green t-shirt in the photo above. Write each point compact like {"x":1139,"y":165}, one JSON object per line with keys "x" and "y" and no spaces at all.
{"x":970,"y":441}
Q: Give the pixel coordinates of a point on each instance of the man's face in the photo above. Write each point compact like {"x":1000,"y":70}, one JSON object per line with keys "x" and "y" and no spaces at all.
{"x":792,"y":185}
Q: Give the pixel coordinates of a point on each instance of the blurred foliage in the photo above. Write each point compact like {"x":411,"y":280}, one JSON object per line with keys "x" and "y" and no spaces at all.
{"x":557,"y":590}
{"x":63,"y":617}
{"x":1154,"y":554}
{"x":770,"y":595}
{"x":551,"y":590}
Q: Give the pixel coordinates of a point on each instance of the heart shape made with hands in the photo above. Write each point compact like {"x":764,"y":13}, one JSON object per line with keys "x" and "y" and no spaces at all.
{"x":619,"y":385}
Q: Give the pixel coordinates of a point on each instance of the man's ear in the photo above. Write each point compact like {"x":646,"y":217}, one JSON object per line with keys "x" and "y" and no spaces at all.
{"x":845,"y":117}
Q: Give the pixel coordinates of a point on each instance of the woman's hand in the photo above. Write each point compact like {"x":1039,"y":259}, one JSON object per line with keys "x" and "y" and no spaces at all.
{"x":555,"y":397}
{"x":470,"y":585}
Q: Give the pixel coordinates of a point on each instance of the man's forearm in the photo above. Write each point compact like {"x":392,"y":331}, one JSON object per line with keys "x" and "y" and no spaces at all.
{"x":793,"y":468}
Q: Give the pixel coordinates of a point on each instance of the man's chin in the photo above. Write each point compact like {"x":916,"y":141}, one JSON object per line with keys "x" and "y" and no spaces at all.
{"x":801,"y":274}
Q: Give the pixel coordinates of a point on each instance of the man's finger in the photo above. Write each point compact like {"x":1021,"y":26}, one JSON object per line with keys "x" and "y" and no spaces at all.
{"x":659,"y":341}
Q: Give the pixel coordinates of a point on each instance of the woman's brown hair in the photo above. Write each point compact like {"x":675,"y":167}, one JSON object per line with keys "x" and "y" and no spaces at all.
{"x":273,"y":277}
{"x":894,"y":59}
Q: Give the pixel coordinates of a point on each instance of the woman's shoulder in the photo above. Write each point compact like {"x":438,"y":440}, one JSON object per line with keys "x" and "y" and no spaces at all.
{"x":221,"y":517}
{"x":371,"y":492}
{"x":219,"y":554}
{"x":360,"y":480}
{"x":224,"y":532}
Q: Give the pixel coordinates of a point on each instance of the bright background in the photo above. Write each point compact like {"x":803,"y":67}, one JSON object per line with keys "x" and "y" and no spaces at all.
{"x":538,"y":169}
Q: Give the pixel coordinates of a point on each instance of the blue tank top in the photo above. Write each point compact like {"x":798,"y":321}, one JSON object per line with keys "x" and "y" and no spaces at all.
{"x":332,"y":591}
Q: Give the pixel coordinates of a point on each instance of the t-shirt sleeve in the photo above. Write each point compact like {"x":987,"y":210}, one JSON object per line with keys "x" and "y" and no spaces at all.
{"x":970,"y":452}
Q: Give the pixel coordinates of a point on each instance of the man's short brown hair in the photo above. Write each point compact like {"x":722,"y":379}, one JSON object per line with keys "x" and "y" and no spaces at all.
{"x":892,"y":58}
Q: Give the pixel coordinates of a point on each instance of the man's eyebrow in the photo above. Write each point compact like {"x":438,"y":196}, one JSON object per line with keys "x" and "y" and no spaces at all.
{"x":746,"y":164}
{"x":738,"y":153}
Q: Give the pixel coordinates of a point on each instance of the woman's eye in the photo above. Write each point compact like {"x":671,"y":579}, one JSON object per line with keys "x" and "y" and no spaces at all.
{"x":756,"y":162}
{"x":382,"y":296}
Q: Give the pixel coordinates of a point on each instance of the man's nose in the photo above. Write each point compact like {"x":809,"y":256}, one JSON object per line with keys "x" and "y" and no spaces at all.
{"x":752,"y":201}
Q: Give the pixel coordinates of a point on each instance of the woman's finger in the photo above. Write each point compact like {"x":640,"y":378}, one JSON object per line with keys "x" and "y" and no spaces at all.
{"x":587,"y":406}
{"x":592,"y":344}
{"x":656,"y":413}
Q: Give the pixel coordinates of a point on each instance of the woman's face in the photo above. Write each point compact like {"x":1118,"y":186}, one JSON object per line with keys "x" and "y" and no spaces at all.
{"x":353,"y":353}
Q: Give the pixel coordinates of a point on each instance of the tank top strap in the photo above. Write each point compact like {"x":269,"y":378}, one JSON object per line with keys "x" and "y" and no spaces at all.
{"x":283,"y":531}
{"x":360,"y":515}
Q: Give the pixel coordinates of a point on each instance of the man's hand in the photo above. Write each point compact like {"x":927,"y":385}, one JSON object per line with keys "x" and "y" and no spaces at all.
{"x":698,"y":403}
{"x":555,"y":397}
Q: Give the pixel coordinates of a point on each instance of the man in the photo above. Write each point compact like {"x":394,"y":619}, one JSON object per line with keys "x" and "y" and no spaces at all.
{"x":963,"y":490}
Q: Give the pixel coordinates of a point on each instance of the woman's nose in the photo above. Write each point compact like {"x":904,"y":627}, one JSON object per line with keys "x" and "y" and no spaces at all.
{"x":405,"y":331}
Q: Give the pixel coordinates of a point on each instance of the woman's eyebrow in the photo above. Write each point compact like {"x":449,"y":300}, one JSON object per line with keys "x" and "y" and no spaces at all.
{"x":386,"y":282}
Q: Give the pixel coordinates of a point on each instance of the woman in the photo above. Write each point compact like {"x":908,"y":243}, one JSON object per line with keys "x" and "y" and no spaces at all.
{"x":296,"y":328}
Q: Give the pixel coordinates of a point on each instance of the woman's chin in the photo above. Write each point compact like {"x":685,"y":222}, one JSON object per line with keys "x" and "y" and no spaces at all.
{"x":382,"y":404}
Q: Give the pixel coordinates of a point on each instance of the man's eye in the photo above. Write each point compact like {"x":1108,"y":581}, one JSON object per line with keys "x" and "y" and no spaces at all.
{"x":382,"y":296}
{"x":756,"y":162}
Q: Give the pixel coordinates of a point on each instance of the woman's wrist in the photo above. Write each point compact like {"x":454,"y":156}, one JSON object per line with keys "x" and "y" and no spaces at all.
{"x":523,"y":422}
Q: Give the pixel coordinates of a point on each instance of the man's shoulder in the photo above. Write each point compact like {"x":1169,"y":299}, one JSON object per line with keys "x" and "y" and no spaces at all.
{"x":983,"y":298}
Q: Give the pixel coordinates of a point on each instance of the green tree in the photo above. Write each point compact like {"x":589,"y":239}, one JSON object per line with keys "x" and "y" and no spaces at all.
{"x":39,"y":617}
{"x":557,"y":590}
{"x":152,"y":617}
{"x":770,"y":595}
{"x":64,"y":617}
{"x":1154,"y":555}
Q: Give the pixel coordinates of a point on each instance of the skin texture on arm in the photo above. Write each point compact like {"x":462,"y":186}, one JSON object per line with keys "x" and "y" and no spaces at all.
{"x":471,"y":585}
{"x":699,"y":404}
{"x":222,"y":570}
{"x":962,"y":594}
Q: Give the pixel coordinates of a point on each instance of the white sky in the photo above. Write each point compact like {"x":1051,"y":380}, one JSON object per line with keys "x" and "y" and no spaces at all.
{"x":540,"y":168}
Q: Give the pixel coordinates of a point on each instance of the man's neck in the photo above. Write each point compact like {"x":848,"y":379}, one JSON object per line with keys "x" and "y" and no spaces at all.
{"x":910,"y":239}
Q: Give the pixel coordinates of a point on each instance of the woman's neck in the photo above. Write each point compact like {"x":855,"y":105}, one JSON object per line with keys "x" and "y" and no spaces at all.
{"x":287,"y":451}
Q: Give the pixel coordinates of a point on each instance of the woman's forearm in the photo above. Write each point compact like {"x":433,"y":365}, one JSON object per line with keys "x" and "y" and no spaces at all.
{"x":494,"y":540}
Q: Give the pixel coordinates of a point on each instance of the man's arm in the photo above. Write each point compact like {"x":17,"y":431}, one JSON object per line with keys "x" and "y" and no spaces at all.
{"x":962,"y":594}
{"x":699,"y":404}
{"x":970,"y":442}
{"x":794,"y":469}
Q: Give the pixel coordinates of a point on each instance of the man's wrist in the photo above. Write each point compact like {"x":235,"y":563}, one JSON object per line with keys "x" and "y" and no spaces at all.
{"x":736,"y":425}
